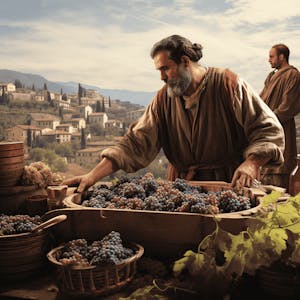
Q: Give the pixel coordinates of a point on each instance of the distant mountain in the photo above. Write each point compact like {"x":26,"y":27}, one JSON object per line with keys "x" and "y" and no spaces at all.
{"x":137,"y":97}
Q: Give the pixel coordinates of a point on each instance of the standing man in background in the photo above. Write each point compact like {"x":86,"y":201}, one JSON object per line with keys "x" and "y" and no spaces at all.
{"x":281,"y":93}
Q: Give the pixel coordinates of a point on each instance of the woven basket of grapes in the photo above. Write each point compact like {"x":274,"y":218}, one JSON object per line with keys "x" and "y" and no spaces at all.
{"x":22,"y":252}
{"x":95,"y":268}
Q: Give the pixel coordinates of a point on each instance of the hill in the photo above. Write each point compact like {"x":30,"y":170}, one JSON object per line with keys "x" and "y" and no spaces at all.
{"x":136,"y":97}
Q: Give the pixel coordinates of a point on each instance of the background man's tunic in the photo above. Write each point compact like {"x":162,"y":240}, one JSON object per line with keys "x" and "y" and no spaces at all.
{"x":282,"y":94}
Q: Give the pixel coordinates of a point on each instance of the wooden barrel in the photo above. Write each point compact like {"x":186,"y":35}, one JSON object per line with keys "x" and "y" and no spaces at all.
{"x":14,"y":199}
{"x":12,"y":163}
{"x":23,"y":255}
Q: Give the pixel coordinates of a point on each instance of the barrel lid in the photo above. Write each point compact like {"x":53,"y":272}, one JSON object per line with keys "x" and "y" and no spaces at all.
{"x":11,"y":145}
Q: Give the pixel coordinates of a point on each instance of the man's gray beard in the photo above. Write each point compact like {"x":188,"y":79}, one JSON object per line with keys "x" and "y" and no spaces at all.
{"x":183,"y":82}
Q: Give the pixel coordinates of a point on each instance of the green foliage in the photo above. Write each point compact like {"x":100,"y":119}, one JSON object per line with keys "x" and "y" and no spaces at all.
{"x":96,"y":129}
{"x":271,"y":236}
{"x":49,"y":157}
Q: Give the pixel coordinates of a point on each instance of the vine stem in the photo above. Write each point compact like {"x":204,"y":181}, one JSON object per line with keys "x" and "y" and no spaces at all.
{"x":175,"y":288}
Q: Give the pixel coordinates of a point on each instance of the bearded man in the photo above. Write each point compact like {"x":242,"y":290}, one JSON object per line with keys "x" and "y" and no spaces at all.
{"x":281,"y":93}
{"x":207,"y":131}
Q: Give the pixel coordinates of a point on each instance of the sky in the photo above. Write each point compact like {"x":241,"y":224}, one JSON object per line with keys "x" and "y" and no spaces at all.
{"x":106,"y":43}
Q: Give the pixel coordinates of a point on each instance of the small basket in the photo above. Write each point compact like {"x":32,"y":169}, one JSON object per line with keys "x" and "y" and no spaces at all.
{"x":91,"y":281}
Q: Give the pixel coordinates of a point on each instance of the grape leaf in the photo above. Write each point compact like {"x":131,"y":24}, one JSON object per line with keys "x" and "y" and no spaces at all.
{"x":295,"y":256}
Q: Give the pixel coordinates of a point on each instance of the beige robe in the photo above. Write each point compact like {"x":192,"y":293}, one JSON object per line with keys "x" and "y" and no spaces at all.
{"x":208,"y":143}
{"x":282,"y":94}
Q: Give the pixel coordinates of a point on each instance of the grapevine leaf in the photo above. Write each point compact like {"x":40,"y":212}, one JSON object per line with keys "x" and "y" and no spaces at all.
{"x":184,"y":262}
{"x":278,"y":237}
{"x":295,"y":256}
{"x":223,"y":239}
{"x":198,"y":264}
{"x":270,"y":198}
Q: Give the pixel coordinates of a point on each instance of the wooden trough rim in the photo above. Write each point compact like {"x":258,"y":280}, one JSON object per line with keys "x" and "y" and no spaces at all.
{"x":73,"y":199}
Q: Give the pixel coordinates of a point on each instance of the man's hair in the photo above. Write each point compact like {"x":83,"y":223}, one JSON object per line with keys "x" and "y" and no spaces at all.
{"x":282,"y":49}
{"x":177,"y":46}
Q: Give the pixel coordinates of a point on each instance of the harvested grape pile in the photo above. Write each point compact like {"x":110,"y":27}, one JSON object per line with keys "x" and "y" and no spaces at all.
{"x":18,"y":224}
{"x":147,"y":193}
{"x":108,"y":250}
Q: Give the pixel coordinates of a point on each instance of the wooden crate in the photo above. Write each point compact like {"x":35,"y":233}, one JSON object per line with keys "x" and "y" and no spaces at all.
{"x":162,"y":234}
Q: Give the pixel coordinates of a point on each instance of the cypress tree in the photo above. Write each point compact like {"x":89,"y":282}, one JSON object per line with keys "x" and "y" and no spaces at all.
{"x":83,"y":140}
{"x":103,"y":105}
{"x":98,"y":106}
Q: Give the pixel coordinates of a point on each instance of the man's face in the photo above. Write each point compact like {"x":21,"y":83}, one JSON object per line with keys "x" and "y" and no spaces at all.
{"x":274,"y":60}
{"x":177,"y":77}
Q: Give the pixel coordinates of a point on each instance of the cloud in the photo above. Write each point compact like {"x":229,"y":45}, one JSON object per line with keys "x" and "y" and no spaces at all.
{"x":107,"y":43}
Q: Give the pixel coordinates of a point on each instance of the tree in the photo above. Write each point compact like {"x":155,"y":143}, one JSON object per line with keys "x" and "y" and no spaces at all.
{"x":29,"y":138}
{"x":2,"y":95}
{"x":60,"y":112}
{"x":79,"y":93}
{"x":61,"y":91}
{"x":109,"y":102}
{"x":98,"y":106}
{"x":18,"y":84}
{"x":48,"y":97}
{"x":33,"y":87}
{"x":103,"y":105}
{"x":45,"y":87}
{"x":83,"y":139}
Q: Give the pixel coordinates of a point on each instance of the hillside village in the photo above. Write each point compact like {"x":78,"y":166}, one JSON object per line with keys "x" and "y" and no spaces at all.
{"x":88,"y":120}
{"x":75,"y":126}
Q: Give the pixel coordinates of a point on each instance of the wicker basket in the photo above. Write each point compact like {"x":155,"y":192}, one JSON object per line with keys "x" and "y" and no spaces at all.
{"x":280,"y":281}
{"x":91,"y":281}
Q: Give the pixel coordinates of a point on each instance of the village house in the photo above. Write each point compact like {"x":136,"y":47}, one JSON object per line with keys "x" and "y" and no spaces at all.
{"x":63,"y":103}
{"x":85,"y":111}
{"x":7,"y":87}
{"x":134,"y":115}
{"x":76,"y":136}
{"x":65,"y":127}
{"x":77,"y":123}
{"x":88,"y":156}
{"x":57,"y":136}
{"x":98,"y":118}
{"x":23,"y":94}
{"x":20,"y":133}
{"x":113,"y":124}
{"x":55,"y":96}
{"x":39,"y":96}
{"x":45,"y":122}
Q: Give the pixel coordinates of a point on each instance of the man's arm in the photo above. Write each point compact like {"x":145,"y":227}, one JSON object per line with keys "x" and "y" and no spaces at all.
{"x":102,"y":169}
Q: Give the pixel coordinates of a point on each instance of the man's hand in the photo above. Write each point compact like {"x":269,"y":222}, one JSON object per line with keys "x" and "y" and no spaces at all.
{"x":230,"y":82}
{"x":83,"y":182}
{"x":103,"y":168}
{"x":247,"y":172}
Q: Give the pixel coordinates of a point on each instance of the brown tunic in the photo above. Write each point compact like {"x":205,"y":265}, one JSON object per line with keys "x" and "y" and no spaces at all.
{"x":282,"y":94}
{"x":212,"y":141}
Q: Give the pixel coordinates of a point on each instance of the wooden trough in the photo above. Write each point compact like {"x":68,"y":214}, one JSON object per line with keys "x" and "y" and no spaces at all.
{"x":162,"y":234}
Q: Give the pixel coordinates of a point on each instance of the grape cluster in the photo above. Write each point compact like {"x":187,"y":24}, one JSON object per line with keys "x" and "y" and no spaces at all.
{"x":108,"y":250}
{"x":147,"y":193}
{"x":18,"y":224}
